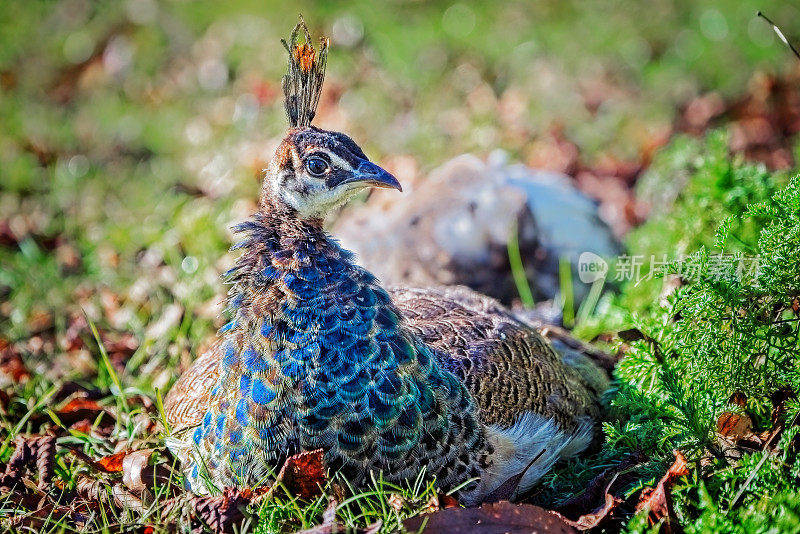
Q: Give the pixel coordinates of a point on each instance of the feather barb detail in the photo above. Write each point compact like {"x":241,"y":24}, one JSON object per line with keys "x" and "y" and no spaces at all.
{"x":302,"y":84}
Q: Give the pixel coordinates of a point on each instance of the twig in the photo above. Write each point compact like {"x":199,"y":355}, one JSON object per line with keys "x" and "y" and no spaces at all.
{"x":779,"y":33}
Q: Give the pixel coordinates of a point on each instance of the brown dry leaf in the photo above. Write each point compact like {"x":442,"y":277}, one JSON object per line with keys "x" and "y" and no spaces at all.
{"x":80,"y":404}
{"x":68,"y":258}
{"x":219,"y":513}
{"x":92,"y":489}
{"x":126,"y":500}
{"x":17,"y":464}
{"x":596,"y":517}
{"x":303,"y":474}
{"x":138,"y":476}
{"x":12,"y":368}
{"x":738,"y":399}
{"x":595,"y":496}
{"x":396,"y":502}
{"x":4,"y":401}
{"x":84,"y":426}
{"x":47,"y":513}
{"x":76,"y":328}
{"x":735,"y":426}
{"x":40,"y":321}
{"x":491,"y":518}
{"x":658,"y":501}
{"x":44,"y":449}
{"x":35,"y":452}
{"x":433,"y":504}
{"x":762,"y":122}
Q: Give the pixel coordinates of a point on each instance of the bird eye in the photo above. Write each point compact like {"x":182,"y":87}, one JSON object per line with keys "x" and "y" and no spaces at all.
{"x":316,"y":166}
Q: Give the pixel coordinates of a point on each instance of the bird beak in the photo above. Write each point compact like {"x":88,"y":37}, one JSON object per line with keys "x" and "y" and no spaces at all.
{"x":370,"y":174}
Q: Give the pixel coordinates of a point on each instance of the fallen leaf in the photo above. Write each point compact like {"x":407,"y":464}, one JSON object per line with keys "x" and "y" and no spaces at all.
{"x":734,"y":426}
{"x":40,"y":320}
{"x":658,"y":501}
{"x":68,"y":258}
{"x":11,"y":364}
{"x":137,"y":473}
{"x":303,"y":474}
{"x":595,"y":494}
{"x":44,"y":448}
{"x":79,"y":408}
{"x":218,"y":513}
{"x":84,"y":426}
{"x":125,"y":499}
{"x":79,"y":404}
{"x":492,"y":518}
{"x":112,"y":463}
{"x":17,"y":464}
{"x":4,"y":401}
{"x":738,"y":399}
{"x":396,"y":502}
{"x":30,"y":452}
{"x":92,"y":489}
{"x":46,"y":514}
{"x":448,"y":501}
{"x":596,"y":517}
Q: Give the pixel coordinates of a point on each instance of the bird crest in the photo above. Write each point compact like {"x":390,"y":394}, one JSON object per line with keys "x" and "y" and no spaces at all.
{"x":302,"y":84}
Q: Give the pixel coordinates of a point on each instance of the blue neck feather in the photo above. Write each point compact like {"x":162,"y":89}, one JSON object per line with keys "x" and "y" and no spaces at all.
{"x":317,"y":356}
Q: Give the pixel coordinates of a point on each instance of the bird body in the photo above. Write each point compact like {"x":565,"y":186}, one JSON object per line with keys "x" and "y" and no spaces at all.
{"x":318,"y":355}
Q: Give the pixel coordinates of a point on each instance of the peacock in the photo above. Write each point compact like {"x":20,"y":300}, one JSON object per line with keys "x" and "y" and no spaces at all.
{"x":317,"y":354}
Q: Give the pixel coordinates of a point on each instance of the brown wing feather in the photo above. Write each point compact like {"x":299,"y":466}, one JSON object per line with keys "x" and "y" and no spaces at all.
{"x":187,"y":401}
{"x":506,"y":365}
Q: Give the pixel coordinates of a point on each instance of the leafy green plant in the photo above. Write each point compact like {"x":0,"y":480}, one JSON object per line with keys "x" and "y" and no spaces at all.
{"x":730,"y":326}
{"x":695,"y":188}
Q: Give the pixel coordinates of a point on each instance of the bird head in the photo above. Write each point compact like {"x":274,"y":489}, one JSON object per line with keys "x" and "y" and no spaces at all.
{"x":314,"y":170}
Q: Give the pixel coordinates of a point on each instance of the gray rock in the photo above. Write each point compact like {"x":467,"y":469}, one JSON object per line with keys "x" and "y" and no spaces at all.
{"x":454,"y":228}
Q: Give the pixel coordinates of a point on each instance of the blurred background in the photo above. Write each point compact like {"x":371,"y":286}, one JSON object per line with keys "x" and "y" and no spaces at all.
{"x":133,"y":134}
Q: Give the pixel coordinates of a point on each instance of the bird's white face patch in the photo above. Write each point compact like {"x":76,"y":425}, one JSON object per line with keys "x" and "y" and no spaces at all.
{"x":311,"y":196}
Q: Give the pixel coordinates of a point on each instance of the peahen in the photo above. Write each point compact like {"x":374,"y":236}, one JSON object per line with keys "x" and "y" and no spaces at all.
{"x":317,"y":354}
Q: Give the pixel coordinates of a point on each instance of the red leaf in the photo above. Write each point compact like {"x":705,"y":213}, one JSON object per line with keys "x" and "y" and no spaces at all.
{"x":80,"y":404}
{"x":304,"y":474}
{"x":113,"y":463}
{"x":447,"y":501}
{"x":78,"y":409}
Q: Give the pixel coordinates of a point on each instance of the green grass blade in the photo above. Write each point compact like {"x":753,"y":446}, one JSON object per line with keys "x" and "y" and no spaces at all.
{"x":567,"y":294}
{"x":518,"y":269}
